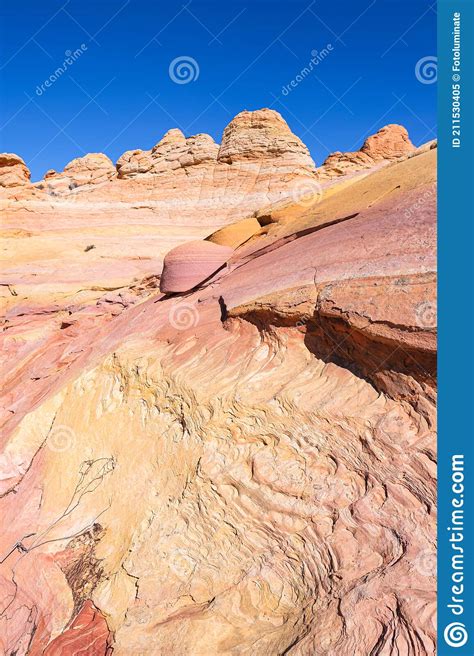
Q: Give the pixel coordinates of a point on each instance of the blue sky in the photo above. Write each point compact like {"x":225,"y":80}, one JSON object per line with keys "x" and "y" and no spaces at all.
{"x":118,"y":94}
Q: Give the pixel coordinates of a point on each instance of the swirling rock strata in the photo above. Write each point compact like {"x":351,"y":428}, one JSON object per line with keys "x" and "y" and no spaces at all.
{"x":244,"y":468}
{"x":191,"y":264}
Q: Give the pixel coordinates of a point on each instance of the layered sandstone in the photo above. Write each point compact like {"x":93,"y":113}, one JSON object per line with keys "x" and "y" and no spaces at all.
{"x":262,"y":134}
{"x":13,"y":170}
{"x":244,"y":466}
{"x":88,"y":631}
{"x":192,"y":263}
{"x":174,"y":151}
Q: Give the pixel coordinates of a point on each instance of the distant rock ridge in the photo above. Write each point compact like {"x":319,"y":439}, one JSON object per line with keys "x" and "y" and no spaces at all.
{"x":174,"y":151}
{"x":253,"y":138}
{"x":389,"y":143}
{"x":250,"y":136}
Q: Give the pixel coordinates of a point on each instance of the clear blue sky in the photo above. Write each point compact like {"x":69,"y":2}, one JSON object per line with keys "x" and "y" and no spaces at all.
{"x":118,"y":94}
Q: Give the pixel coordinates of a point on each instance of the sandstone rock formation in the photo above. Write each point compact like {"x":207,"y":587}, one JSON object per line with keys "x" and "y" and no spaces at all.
{"x":175,"y":192}
{"x":174,"y":151}
{"x":389,"y":143}
{"x":248,"y":466}
{"x":192,"y":263}
{"x":92,"y":169}
{"x":13,"y":170}
{"x":262,"y":134}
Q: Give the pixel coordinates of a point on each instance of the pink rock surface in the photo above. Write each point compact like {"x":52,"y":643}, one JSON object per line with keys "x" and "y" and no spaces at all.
{"x":245,"y":468}
{"x":192,"y":263}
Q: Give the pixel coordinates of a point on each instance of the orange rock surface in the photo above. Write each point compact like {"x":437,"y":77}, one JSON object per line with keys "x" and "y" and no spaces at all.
{"x":13,"y":170}
{"x":237,"y":233}
{"x":389,"y":143}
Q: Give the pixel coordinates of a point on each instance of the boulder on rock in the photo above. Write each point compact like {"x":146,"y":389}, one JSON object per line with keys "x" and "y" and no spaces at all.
{"x":424,"y":148}
{"x":190,"y":264}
